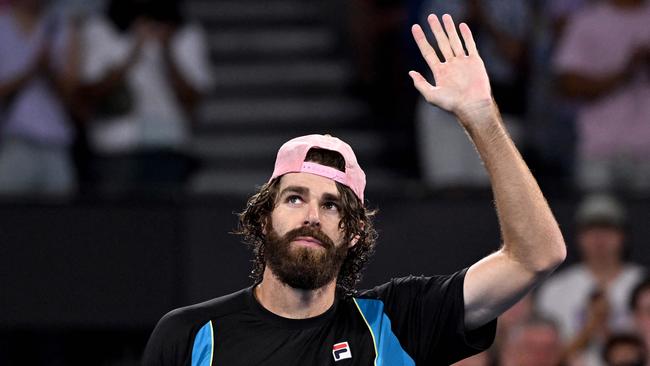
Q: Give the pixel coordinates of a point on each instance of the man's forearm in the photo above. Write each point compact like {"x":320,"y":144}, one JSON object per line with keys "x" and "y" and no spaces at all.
{"x":530,"y":233}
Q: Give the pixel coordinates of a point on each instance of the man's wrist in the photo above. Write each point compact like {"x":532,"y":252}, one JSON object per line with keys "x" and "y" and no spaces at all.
{"x":479,"y":116}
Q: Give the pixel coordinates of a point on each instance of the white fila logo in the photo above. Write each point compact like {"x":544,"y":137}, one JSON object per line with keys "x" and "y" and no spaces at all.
{"x":341,"y":351}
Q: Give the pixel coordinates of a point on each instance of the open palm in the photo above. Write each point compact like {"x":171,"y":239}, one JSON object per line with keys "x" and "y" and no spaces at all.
{"x":461,"y":80}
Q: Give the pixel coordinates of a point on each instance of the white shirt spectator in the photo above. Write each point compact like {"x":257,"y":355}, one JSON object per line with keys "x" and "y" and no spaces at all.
{"x":157,"y":119}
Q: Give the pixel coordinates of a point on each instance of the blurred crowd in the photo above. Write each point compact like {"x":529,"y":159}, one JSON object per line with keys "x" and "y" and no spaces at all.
{"x":571,"y":77}
{"x":97,"y":94}
{"x":102,"y":94}
{"x":595,"y":312}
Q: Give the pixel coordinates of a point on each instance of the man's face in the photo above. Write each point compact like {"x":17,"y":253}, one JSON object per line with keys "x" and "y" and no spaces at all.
{"x":305,"y":244}
{"x":535,"y":345}
{"x":601,"y":243}
{"x":480,"y":359}
{"x":625,"y":354}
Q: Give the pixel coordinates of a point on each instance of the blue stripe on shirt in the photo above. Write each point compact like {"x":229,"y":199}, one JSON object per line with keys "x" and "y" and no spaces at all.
{"x":389,"y":351}
{"x":203,"y":346}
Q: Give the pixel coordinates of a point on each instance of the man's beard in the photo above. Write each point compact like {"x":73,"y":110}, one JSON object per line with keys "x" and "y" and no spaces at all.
{"x":303,"y":267}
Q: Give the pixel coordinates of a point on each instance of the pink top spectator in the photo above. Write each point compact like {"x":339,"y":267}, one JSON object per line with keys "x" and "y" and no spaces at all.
{"x":601,"y":40}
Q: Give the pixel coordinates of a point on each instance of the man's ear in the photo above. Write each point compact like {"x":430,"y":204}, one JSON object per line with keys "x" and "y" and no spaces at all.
{"x":356,"y":237}
{"x":354,"y":240}
{"x":265,"y":224}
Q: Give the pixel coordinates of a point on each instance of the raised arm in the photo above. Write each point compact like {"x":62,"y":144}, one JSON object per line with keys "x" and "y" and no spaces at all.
{"x":532,"y":242}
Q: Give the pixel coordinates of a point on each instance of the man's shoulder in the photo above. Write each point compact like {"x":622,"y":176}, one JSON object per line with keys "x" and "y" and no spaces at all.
{"x":415,"y":285}
{"x":633,"y":269}
{"x":632,"y":273}
{"x":199,"y":314}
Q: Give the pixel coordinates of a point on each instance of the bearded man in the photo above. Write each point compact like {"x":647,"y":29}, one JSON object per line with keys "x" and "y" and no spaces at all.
{"x":312,"y":235}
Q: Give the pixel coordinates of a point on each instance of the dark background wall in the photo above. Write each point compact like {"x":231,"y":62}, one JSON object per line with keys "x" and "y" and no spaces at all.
{"x":73,"y":272}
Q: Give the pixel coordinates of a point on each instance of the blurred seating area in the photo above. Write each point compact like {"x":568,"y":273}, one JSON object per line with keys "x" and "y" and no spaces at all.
{"x":127,"y":124}
{"x":119,"y":98}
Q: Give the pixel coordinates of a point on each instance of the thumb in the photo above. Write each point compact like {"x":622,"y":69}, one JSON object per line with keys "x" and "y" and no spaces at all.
{"x":428,"y":91}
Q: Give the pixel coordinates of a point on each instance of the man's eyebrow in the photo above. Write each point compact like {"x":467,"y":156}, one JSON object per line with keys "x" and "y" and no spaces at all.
{"x":295,"y":189}
{"x":331,"y":197}
{"x":304,"y":191}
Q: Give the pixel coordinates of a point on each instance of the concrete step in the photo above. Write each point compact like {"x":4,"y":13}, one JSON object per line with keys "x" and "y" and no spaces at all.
{"x":270,"y":111}
{"x":244,"y":43}
{"x":247,"y":181}
{"x":240,"y":182}
{"x":239,"y":163}
{"x":263,"y":147}
{"x":237,"y":11}
{"x":259,"y":74}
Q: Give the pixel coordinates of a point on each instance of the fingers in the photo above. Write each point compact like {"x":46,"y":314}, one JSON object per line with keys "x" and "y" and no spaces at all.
{"x":426,"y":50}
{"x":452,"y":35}
{"x":469,"y":39}
{"x":422,"y":85}
{"x":441,"y":37}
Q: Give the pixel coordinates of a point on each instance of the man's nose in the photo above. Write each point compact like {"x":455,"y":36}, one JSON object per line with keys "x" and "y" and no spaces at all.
{"x":312,"y":218}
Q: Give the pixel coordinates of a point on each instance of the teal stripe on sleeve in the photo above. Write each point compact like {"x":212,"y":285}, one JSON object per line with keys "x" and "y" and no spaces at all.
{"x":203,"y":346}
{"x":389,"y":350}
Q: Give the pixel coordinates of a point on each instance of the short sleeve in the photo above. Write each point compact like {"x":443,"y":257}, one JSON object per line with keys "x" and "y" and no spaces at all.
{"x":102,"y":49}
{"x":192,"y":57}
{"x":428,"y":317}
{"x":576,"y":49}
{"x":170,"y":342}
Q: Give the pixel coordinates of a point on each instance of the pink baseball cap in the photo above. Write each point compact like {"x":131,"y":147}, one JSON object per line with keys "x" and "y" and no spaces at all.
{"x":291,"y":159}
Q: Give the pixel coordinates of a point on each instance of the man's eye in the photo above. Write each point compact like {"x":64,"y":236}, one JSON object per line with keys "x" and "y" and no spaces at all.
{"x":331,"y":206}
{"x":294,"y":199}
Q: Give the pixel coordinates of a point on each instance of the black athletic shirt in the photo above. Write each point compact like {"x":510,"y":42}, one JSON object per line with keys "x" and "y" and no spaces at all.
{"x":407,"y":321}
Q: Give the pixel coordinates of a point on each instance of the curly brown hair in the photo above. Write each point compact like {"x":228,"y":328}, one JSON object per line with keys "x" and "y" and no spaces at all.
{"x":356,"y":220}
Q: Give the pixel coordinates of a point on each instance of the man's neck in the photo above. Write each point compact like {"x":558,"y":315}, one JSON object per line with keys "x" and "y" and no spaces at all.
{"x":288,"y":302}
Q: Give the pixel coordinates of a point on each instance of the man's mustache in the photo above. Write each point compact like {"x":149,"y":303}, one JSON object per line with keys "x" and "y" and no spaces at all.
{"x":309,"y":231}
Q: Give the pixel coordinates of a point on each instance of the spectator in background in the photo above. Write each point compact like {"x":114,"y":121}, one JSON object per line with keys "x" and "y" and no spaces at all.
{"x":516,"y":315}
{"x":604,"y":59}
{"x":640,"y":306}
{"x":534,"y":342}
{"x":513,"y":318}
{"x":624,"y":350}
{"x":503,"y":27}
{"x":38,"y":74}
{"x":446,"y":161}
{"x":551,"y":114}
{"x":582,"y":349}
{"x":589,"y":299}
{"x":480,"y":359}
{"x":379,"y":32}
{"x":144,"y":69}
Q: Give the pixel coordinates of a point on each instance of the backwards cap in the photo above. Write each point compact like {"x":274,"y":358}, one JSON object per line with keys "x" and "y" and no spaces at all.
{"x":291,"y":159}
{"x":601,"y":209}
